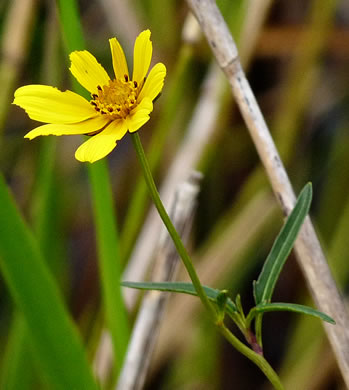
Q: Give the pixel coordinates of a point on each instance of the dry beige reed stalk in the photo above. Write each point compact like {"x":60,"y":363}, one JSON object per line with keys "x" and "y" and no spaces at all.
{"x":144,"y":335}
{"x":146,"y":329}
{"x":309,"y":253}
{"x":14,"y":49}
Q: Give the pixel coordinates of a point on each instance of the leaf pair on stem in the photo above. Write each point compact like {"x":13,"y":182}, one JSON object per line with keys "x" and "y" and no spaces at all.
{"x":263,"y":288}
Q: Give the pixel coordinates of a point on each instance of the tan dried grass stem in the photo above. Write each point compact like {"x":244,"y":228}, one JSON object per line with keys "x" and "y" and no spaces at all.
{"x":309,"y":253}
{"x":146,"y":328}
{"x":14,"y":49}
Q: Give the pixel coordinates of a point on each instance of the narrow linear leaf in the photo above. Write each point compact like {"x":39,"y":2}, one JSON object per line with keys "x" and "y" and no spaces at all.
{"x":109,"y":261}
{"x":276,"y":306}
{"x":183,"y":288}
{"x":18,"y":357}
{"x":264,"y":286}
{"x":53,"y":334}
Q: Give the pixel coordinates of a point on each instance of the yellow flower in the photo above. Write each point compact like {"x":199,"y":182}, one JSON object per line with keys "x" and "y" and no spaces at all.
{"x":116,"y":106}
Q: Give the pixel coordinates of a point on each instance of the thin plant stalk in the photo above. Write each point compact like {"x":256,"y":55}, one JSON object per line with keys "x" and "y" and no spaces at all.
{"x":235,"y":342}
{"x":169,"y":226}
{"x":175,"y":92}
{"x":257,"y":359}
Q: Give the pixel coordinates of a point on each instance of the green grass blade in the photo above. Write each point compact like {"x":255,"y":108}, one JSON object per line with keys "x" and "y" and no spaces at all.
{"x":181,"y":287}
{"x":295,"y":308}
{"x":106,"y":231}
{"x":46,"y":219}
{"x":70,"y":22}
{"x":264,"y":286}
{"x":53,"y":334}
{"x":18,"y":349}
{"x":109,"y":258}
{"x":18,"y":370}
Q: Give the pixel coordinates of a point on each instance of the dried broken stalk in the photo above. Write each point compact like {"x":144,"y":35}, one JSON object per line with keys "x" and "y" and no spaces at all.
{"x":146,"y":329}
{"x":309,"y":253}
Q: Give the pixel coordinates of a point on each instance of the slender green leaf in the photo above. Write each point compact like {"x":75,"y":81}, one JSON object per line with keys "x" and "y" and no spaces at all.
{"x":221,"y":299}
{"x":53,"y":333}
{"x":46,"y":217}
{"x":221,"y":302}
{"x":264,"y":286}
{"x":301,"y":309}
{"x":104,"y":213}
{"x":71,"y":27}
{"x":181,"y":287}
{"x":109,"y":258}
{"x":239,"y":305}
{"x":19,"y":369}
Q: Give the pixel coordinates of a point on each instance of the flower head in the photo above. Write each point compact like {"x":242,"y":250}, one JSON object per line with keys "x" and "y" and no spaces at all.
{"x":117,"y":105}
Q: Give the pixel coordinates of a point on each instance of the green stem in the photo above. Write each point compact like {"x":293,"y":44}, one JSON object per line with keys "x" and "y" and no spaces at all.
{"x":171,"y":229}
{"x":258,"y":327}
{"x":236,"y":343}
{"x":257,"y":359}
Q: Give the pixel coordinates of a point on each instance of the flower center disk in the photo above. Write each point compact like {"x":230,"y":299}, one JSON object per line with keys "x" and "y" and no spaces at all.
{"x":116,"y":99}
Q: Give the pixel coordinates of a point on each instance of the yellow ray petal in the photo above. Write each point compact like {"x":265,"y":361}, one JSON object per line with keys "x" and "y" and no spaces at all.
{"x":136,"y":121}
{"x":142,"y":56}
{"x":140,"y":115}
{"x":154,"y":82}
{"x":48,"y":104}
{"x":119,"y":60}
{"x":146,"y":105}
{"x":84,"y":127}
{"x":103,"y":143}
{"x":87,"y":70}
